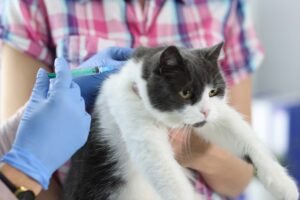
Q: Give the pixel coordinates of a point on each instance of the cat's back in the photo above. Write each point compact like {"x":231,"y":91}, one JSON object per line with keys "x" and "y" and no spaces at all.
{"x":95,"y":170}
{"x":101,"y":169}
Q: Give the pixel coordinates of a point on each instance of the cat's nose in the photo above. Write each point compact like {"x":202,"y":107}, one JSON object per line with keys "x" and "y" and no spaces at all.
{"x":205,"y":112}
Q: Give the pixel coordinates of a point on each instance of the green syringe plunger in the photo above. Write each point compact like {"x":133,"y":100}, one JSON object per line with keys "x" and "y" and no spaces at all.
{"x":86,"y":71}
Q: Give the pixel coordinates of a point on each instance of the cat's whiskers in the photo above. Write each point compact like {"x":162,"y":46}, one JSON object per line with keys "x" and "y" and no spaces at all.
{"x":187,"y":131}
{"x":185,"y":140}
{"x":173,"y":135}
{"x":179,"y":133}
{"x":189,"y":141}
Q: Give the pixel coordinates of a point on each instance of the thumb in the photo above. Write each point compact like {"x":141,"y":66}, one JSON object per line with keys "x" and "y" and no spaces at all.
{"x":41,"y":85}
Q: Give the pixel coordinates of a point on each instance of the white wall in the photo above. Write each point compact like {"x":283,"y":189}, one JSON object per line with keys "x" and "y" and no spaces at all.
{"x":278,"y":26}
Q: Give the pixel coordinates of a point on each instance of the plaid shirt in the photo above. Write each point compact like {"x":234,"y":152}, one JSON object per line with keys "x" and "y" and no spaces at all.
{"x":77,"y":29}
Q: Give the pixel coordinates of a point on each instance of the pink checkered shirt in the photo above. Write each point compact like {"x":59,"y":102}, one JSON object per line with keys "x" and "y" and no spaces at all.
{"x":77,"y":29}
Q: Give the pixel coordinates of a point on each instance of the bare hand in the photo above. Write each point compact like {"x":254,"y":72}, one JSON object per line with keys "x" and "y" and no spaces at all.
{"x":187,"y":146}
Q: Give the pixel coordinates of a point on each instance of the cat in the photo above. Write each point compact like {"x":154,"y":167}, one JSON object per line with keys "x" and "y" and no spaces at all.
{"x":128,"y":155}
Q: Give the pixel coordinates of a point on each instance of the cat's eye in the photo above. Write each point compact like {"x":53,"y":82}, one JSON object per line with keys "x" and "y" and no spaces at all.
{"x":213,"y":92}
{"x":185,"y":94}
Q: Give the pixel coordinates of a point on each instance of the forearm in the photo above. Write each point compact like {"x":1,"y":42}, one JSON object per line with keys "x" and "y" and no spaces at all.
{"x":53,"y":193}
{"x":17,"y":78}
{"x":222,"y":171}
{"x":18,"y":178}
{"x":8,"y":130}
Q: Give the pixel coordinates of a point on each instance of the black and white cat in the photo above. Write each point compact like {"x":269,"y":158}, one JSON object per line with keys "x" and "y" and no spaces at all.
{"x":128,"y":155}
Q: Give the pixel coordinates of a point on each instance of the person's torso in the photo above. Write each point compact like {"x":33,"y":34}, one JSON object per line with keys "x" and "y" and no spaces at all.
{"x":79,"y":29}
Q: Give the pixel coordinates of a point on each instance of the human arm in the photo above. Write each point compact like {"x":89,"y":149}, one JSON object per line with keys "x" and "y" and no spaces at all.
{"x":19,"y":178}
{"x":6,"y":193}
{"x":17,"y":78}
{"x":25,"y":46}
{"x":44,"y":125}
{"x":8,"y":130}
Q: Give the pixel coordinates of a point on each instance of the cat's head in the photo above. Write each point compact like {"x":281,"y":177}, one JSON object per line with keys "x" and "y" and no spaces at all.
{"x":182,"y":86}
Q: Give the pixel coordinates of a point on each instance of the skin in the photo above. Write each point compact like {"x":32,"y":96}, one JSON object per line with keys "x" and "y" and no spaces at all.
{"x":19,"y":179}
{"x":17,"y":79}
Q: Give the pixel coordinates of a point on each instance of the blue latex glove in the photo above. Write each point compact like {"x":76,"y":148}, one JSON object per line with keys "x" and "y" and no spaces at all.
{"x":89,"y":85}
{"x":53,"y":127}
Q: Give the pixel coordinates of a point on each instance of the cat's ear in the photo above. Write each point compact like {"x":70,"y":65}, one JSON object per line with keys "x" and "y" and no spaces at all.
{"x":171,"y":57}
{"x":170,"y":60}
{"x":212,"y":53}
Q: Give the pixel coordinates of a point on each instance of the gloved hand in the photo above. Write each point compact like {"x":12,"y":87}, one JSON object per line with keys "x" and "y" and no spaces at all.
{"x":53,"y":127}
{"x":89,"y":85}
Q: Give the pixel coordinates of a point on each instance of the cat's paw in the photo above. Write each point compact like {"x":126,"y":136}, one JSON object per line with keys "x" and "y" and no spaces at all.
{"x":280,"y":184}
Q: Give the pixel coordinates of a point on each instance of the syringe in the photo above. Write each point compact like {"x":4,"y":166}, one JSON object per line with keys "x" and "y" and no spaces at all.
{"x":86,"y":71}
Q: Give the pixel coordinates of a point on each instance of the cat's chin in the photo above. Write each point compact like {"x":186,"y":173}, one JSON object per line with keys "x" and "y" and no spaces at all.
{"x":185,"y":125}
{"x":176,"y":125}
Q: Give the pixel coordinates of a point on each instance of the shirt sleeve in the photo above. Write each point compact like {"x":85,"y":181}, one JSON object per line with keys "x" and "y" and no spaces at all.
{"x":242,"y":50}
{"x":6,"y":193}
{"x":8,"y":132}
{"x":24,"y":25}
